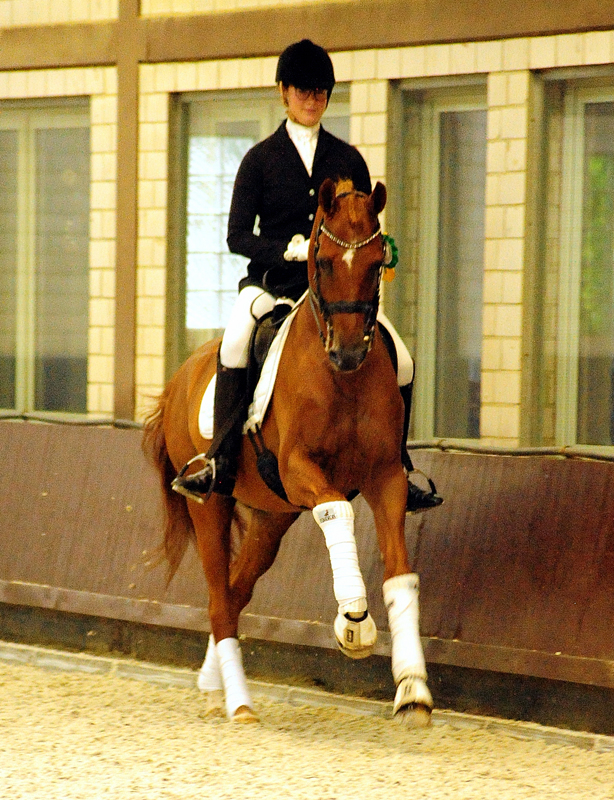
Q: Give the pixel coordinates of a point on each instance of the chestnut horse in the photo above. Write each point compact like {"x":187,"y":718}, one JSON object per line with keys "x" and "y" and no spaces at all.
{"x":334,"y":423}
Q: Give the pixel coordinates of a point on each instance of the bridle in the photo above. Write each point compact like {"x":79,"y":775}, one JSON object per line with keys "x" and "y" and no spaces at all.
{"x":368,"y":308}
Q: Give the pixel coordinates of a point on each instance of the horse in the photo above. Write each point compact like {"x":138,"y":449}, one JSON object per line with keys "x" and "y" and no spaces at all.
{"x":334,"y":424}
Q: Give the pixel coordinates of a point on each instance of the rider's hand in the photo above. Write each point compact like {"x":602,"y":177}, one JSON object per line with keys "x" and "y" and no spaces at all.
{"x":297,"y":249}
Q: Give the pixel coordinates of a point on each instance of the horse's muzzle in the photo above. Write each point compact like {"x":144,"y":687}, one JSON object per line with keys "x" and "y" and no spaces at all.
{"x":347,"y":359}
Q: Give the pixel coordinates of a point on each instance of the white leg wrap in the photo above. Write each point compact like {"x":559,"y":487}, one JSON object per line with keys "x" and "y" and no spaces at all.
{"x":401,"y":599}
{"x":210,"y":677}
{"x":233,"y":677}
{"x":336,"y":519}
{"x":356,"y":637}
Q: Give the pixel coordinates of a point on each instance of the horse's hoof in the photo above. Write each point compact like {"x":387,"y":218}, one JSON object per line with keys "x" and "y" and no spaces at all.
{"x":413,"y":716}
{"x":413,"y":703}
{"x":355,"y":639}
{"x":355,"y":654}
{"x":245,"y":716}
{"x":364,"y":652}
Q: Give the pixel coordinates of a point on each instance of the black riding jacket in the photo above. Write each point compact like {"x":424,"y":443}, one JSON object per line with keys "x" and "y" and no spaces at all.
{"x":273,"y":185}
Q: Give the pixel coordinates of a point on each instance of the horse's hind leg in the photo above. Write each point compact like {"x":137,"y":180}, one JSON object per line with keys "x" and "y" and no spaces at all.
{"x":209,"y":680}
{"x":212,"y":523}
{"x":230,"y":590}
{"x":259,"y":547}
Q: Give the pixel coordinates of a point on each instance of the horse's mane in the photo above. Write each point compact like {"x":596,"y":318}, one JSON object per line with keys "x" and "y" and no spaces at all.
{"x":345,"y":188}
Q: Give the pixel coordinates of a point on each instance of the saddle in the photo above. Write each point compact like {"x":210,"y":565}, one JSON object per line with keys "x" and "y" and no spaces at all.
{"x":267,"y":328}
{"x":263,"y":335}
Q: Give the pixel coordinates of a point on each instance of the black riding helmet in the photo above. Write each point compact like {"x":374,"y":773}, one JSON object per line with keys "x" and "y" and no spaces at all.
{"x":306,"y":65}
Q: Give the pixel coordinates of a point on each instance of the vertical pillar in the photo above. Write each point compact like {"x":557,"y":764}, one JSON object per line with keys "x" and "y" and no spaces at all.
{"x":128,"y":46}
{"x":509,"y":253}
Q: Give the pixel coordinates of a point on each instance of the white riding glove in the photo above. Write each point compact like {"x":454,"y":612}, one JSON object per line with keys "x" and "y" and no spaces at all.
{"x":298,"y":247}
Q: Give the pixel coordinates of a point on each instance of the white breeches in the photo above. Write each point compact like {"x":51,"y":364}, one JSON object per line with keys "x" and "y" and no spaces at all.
{"x":253,"y":302}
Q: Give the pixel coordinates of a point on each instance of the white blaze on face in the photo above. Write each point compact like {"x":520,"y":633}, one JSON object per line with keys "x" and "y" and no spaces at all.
{"x":348,"y":257}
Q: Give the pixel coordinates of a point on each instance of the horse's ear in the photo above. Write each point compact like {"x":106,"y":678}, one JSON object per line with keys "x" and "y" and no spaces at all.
{"x":378,"y":197}
{"x":327,"y":196}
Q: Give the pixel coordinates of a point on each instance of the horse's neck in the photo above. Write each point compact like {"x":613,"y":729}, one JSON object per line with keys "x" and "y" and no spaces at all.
{"x":308,"y":341}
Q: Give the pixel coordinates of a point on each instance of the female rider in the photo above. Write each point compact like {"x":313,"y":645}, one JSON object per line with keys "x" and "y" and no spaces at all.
{"x":277,"y":187}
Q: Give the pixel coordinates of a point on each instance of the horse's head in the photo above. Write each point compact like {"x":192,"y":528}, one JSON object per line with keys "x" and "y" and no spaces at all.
{"x":345,"y":268}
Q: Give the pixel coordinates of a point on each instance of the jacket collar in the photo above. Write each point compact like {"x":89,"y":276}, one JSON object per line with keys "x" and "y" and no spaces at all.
{"x":321,"y":147}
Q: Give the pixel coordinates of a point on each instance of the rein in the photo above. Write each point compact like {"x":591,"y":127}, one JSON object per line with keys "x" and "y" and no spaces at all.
{"x":367,"y":307}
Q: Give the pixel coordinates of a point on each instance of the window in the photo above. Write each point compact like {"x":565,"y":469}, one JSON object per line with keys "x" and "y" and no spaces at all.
{"x":437,"y":304}
{"x":214,"y":133}
{"x":585,"y":366}
{"x":44,"y":258}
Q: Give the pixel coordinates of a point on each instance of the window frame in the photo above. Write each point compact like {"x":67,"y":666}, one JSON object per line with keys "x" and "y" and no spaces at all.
{"x":26,"y":118}
{"x":263,"y":105}
{"x":434,"y":100}
{"x":577,"y":97}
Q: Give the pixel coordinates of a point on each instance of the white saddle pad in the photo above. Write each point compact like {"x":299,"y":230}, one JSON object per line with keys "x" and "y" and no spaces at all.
{"x":205,"y":415}
{"x":264,"y":389}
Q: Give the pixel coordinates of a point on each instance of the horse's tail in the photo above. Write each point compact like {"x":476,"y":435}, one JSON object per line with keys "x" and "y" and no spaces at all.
{"x":178,"y":527}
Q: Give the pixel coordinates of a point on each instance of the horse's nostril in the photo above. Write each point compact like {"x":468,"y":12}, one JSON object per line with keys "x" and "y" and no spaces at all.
{"x":347,"y":360}
{"x":334,"y":357}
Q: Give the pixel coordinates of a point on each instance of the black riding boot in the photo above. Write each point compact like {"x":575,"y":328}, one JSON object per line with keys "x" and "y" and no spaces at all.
{"x":220,"y":470}
{"x":417,"y":498}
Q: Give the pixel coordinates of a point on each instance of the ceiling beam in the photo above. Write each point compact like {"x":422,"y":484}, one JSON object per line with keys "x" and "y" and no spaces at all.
{"x":261,"y":32}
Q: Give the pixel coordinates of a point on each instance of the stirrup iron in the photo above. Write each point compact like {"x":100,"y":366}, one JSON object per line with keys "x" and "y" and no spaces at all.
{"x":424,"y":500}
{"x":178,"y":486}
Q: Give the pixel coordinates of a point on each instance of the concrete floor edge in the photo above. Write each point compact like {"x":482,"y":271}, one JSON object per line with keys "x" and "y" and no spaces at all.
{"x":59,"y":660}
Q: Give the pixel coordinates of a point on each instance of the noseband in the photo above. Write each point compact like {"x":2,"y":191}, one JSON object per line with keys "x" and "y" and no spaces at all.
{"x":368,"y":308}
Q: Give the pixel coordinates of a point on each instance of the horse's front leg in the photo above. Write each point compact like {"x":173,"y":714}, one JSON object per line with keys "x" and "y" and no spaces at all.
{"x":354,"y":628}
{"x":413,"y":702}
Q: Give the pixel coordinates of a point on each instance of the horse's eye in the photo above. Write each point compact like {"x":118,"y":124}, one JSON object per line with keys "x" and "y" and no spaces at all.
{"x":325,"y":265}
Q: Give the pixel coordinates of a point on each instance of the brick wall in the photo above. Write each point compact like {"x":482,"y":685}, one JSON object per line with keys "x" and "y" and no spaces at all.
{"x":507,"y":67}
{"x":39,"y":12}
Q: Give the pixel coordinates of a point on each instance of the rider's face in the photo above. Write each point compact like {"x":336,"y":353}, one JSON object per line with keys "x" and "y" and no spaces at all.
{"x":304,"y":107}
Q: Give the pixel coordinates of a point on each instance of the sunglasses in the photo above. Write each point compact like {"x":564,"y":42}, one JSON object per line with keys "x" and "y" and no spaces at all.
{"x":317,"y":94}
